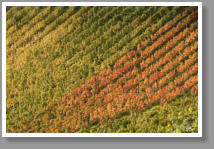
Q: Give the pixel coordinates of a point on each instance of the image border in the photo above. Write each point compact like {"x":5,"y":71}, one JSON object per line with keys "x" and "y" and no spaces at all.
{"x":5,"y":134}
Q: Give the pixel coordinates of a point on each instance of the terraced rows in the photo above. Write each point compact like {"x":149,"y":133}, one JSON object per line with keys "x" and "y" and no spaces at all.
{"x":84,"y":66}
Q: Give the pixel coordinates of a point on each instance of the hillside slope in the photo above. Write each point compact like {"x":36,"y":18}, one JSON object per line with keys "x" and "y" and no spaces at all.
{"x":69,"y":68}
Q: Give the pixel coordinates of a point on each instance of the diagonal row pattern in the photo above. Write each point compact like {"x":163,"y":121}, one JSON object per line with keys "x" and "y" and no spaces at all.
{"x":92,"y":64}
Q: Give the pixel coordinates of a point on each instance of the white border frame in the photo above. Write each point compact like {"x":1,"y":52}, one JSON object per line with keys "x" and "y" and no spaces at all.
{"x":5,"y":134}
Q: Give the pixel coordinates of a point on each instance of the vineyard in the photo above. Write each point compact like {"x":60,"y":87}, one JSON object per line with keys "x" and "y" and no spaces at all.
{"x":102,"y":69}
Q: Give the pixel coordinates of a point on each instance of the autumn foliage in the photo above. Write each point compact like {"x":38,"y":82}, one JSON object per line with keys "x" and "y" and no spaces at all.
{"x":161,"y":65}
